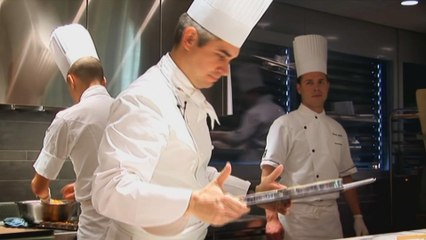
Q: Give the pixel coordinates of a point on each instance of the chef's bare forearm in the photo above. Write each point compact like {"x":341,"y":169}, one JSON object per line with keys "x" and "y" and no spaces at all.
{"x":271,"y":215}
{"x":351,"y":197}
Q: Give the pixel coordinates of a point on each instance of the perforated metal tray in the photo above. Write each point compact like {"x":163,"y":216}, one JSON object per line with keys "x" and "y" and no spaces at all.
{"x":312,"y":189}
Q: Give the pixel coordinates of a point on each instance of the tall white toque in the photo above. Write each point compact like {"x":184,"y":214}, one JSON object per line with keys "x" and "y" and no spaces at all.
{"x":68,"y":44}
{"x":310,"y":54}
{"x":230,"y":20}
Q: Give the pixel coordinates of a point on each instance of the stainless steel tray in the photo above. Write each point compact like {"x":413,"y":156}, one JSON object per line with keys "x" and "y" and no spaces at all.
{"x":312,"y":189}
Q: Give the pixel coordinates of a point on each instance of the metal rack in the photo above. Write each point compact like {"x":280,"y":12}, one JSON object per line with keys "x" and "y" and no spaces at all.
{"x":362,"y":138}
{"x":406,"y":145}
{"x":407,"y":163}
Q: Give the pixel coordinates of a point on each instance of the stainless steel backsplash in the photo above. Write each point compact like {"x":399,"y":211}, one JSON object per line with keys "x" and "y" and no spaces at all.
{"x":127,"y":34}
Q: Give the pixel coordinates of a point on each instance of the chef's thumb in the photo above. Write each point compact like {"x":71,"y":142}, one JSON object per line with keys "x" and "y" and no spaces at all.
{"x":276,"y":174}
{"x":224,"y":174}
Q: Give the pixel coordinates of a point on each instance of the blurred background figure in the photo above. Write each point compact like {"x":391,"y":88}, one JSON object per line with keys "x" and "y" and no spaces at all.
{"x":259,"y":113}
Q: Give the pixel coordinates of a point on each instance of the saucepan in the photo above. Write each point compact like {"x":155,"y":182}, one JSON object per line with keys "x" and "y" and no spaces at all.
{"x":35,"y":211}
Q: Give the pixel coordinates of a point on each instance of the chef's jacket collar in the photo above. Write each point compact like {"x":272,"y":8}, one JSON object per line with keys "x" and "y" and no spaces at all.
{"x":309,"y":113}
{"x":93,"y":90}
{"x":183,"y":85}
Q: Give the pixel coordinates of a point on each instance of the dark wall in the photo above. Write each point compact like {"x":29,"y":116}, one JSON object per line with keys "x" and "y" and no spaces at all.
{"x":414,"y":76}
{"x":21,"y":138}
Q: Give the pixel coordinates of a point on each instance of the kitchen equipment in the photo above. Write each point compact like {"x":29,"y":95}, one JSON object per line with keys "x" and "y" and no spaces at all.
{"x":312,"y":189}
{"x":25,"y":233}
{"x":30,"y":210}
{"x":35,"y":211}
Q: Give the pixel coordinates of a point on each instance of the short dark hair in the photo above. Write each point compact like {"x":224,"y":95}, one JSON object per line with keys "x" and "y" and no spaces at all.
{"x":185,"y":21}
{"x":87,"y":69}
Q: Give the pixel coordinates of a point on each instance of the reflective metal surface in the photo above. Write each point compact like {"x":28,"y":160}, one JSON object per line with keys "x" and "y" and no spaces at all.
{"x":126,"y":34}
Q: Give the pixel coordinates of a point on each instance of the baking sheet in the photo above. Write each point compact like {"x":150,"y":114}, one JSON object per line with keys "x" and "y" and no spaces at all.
{"x":312,"y":189}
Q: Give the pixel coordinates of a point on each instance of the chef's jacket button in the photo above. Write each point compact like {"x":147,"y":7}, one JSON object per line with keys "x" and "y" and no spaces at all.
{"x":316,"y":117}
{"x":304,"y":127}
{"x":313,"y":150}
{"x":317,"y":176}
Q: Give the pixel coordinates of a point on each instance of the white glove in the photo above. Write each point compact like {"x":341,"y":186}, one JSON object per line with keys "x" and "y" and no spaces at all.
{"x":359,"y":226}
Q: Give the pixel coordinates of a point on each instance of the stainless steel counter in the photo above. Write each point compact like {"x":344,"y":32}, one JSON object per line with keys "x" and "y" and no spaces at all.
{"x":36,"y":234}
{"x":65,"y":235}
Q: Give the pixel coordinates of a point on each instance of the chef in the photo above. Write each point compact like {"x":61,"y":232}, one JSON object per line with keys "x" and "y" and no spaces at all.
{"x":153,"y":177}
{"x":75,"y":132}
{"x":312,"y":147}
{"x":260,"y":113}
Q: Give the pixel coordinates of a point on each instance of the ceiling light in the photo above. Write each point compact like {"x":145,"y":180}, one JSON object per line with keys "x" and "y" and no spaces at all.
{"x":409,"y":2}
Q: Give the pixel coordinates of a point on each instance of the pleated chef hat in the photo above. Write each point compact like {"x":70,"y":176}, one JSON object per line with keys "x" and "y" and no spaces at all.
{"x":230,"y":20}
{"x":310,"y":54}
{"x":68,"y":44}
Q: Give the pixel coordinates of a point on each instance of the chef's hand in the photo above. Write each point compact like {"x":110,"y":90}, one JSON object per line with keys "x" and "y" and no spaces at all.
{"x":269,"y":182}
{"x":68,"y":191}
{"x":273,"y":229}
{"x":211,"y":205}
{"x":45,"y":197}
{"x":359,"y":225}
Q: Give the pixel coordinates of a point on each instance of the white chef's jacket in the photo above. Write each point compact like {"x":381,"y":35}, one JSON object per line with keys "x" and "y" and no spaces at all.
{"x":75,"y":133}
{"x":154,"y":153}
{"x":312,"y":147}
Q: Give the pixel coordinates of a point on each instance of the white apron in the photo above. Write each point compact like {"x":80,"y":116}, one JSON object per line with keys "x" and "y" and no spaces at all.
{"x":127,"y":232}
{"x":312,"y":221}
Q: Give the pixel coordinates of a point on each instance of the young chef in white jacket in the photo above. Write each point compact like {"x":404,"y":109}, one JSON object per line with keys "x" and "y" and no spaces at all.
{"x":312,"y":147}
{"x":75,"y":133}
{"x":153,"y":177}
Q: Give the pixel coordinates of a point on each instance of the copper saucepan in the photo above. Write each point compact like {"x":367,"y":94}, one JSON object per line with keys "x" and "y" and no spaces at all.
{"x":35,"y":211}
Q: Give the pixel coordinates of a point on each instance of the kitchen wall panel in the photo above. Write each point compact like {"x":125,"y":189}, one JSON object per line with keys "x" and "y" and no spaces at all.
{"x":21,"y":138}
{"x":27,"y":70}
{"x":126,"y":34}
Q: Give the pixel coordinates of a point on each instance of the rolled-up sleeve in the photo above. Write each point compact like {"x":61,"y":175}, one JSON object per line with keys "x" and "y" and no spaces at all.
{"x":275,"y":146}
{"x":56,"y":148}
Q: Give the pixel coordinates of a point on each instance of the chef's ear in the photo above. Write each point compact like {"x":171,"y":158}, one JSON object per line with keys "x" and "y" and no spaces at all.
{"x":189,"y":37}
{"x":71,"y":81}
{"x":103,"y":82}
{"x":298,"y":88}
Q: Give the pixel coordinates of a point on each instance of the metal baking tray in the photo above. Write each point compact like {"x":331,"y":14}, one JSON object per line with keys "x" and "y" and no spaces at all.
{"x":312,"y":189}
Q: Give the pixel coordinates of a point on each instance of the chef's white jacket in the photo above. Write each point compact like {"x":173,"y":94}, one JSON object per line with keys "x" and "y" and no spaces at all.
{"x":312,"y":147}
{"x":154,"y":153}
{"x":75,"y":133}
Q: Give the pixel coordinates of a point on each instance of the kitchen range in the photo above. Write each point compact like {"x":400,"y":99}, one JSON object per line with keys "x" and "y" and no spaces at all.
{"x":35,"y":220}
